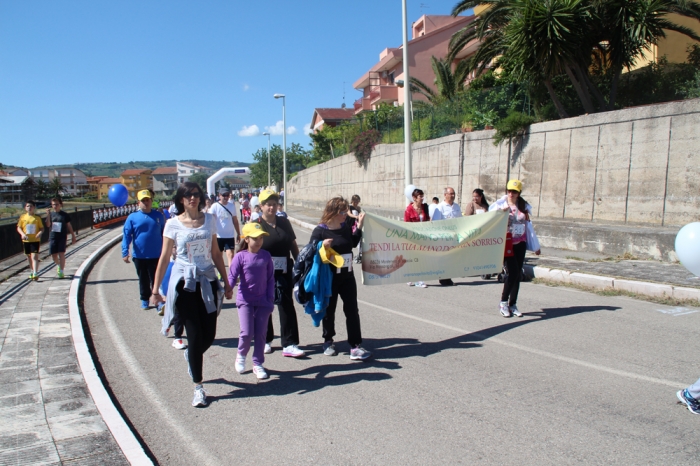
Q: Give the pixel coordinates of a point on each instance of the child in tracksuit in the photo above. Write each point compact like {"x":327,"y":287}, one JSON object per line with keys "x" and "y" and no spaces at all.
{"x":255,"y":297}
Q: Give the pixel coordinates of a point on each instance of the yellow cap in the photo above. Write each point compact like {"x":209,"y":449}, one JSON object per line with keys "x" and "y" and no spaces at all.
{"x":329,"y":256}
{"x":515,"y":185}
{"x":143,"y":193}
{"x":253,"y":230}
{"x":267,"y":194}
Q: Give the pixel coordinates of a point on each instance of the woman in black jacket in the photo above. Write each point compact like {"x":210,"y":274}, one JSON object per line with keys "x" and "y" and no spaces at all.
{"x":335,"y":232}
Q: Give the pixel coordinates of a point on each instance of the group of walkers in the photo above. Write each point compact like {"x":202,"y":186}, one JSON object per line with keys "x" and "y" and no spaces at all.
{"x":182,"y":272}
{"x":520,"y":231}
{"x":31,"y":228}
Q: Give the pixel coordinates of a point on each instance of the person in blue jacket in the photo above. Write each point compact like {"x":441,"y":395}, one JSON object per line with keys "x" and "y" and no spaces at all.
{"x":145,"y":229}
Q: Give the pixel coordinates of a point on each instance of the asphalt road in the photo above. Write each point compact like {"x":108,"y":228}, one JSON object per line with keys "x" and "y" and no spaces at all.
{"x":581,"y":378}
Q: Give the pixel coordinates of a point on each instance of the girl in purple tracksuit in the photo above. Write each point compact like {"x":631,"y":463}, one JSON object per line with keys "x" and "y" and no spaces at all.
{"x":255,"y":297}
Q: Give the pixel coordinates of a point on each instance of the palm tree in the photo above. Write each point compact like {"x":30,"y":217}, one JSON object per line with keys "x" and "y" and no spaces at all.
{"x":42,"y":188}
{"x":447,"y":82}
{"x":56,"y":187}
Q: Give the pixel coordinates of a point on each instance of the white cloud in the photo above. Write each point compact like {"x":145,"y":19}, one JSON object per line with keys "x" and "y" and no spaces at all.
{"x":248,"y":131}
{"x":245,"y":87}
{"x":307,"y":129}
{"x":277,"y":130}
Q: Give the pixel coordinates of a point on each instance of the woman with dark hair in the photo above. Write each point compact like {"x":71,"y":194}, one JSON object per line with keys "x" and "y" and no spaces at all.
{"x":417,"y":211}
{"x":478,"y":205}
{"x":334,"y":232}
{"x":193,"y":290}
{"x":518,"y":217}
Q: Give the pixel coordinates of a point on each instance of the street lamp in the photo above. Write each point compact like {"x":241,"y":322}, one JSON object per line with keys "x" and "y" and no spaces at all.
{"x":268,"y":159}
{"x":408,"y":169}
{"x":284,"y":147}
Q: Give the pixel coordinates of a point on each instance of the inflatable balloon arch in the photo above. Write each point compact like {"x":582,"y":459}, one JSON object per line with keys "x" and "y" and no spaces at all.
{"x":119,"y":196}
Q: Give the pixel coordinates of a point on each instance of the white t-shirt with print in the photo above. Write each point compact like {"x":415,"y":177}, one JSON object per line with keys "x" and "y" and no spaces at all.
{"x":193,"y":244}
{"x":224,"y":219}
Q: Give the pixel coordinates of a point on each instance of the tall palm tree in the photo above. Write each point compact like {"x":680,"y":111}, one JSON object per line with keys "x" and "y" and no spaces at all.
{"x":56,"y":187}
{"x":447,"y":82}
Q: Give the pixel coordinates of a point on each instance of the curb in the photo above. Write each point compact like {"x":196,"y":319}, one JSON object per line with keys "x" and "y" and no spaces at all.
{"x":130,"y":446}
{"x":598,"y":282}
{"x":300,"y":223}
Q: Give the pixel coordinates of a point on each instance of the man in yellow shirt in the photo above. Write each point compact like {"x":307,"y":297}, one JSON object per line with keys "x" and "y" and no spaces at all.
{"x":30,"y":227}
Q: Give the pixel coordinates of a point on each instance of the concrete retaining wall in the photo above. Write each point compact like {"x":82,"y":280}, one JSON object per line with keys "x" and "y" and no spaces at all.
{"x":636,"y":167}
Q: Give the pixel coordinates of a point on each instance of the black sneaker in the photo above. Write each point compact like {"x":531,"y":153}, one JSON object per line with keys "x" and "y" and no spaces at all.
{"x":685,"y":398}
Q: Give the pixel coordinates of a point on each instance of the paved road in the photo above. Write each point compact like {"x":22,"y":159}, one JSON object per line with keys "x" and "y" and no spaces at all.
{"x":581,"y":378}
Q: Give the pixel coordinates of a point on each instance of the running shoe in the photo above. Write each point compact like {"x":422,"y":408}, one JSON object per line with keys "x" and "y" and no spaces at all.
{"x":240,"y":364}
{"x":165,"y":332}
{"x":144,"y":304}
{"x":421,"y":285}
{"x":200,"y":397}
{"x":268,"y":349}
{"x":59,"y":274}
{"x":31,"y":275}
{"x":503,"y":307}
{"x":187,"y":358}
{"x":410,"y":283}
{"x":515,"y":311}
{"x":36,"y":277}
{"x":178,"y":344}
{"x":329,"y":348}
{"x":358,"y":353}
{"x":292,"y":351}
{"x":260,"y":373}
{"x":685,"y":398}
{"x":161,"y":309}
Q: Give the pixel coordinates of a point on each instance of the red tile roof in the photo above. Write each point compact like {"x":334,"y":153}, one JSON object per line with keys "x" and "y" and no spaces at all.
{"x":165,"y":171}
{"x":110,"y":181}
{"x":134,"y":171}
{"x":327,"y":114}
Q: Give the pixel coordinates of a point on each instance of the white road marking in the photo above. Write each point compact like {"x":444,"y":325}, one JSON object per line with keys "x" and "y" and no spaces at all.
{"x":538,"y":352}
{"x":677,"y":311}
{"x":137,"y":372}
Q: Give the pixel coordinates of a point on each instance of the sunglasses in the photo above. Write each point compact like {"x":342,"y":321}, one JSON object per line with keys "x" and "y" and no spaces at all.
{"x":195,"y":194}
{"x":225,"y":195}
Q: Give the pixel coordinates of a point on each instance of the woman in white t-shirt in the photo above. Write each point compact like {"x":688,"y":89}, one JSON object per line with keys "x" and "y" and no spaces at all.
{"x":194,"y":291}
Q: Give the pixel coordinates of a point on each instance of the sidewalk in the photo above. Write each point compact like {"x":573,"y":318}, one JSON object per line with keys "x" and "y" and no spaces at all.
{"x":644,"y":277}
{"x":47,"y":415}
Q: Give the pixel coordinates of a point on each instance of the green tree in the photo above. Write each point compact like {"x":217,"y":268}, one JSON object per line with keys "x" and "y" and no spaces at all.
{"x":42,"y":189}
{"x":201,"y":179}
{"x":448,"y":82}
{"x":297,"y":159}
{"x":55,"y":187}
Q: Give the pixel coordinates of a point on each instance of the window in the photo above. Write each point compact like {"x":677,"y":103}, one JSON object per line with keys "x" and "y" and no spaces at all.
{"x":390,"y":78}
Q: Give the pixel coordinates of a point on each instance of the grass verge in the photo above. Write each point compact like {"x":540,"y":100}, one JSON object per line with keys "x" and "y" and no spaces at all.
{"x":666,"y":300}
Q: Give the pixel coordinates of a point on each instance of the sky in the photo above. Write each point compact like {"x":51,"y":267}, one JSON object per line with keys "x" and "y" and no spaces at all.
{"x":119,"y":81}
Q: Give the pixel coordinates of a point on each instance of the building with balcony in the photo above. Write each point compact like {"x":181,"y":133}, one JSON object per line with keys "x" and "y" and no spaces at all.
{"x":330,"y":117}
{"x":135,"y":180}
{"x":17,"y":189}
{"x":94,"y":185}
{"x":165,"y":181}
{"x":74,"y":181}
{"x":104,"y":184}
{"x":430,"y":37}
{"x":185,"y":170}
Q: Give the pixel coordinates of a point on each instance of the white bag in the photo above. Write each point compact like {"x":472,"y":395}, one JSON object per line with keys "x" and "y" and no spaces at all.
{"x":533,"y":244}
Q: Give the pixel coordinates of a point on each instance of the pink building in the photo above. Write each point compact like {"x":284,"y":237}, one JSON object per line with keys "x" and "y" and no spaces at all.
{"x":430,"y":37}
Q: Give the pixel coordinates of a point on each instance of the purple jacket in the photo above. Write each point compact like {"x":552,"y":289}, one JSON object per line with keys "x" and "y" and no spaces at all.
{"x":257,"y":274}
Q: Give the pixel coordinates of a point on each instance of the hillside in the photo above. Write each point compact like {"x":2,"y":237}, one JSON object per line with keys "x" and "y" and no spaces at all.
{"x":114,"y":169}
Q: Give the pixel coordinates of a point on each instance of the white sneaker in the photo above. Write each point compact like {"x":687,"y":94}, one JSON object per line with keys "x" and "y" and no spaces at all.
{"x":260,"y":373}
{"x":410,"y":283}
{"x":240,"y":364}
{"x":421,"y":285}
{"x":268,"y":349}
{"x":515,"y":311}
{"x":329,"y":348}
{"x":358,"y":353}
{"x":292,"y":351}
{"x":200,"y":397}
{"x":178,"y":344}
{"x":505,"y":310}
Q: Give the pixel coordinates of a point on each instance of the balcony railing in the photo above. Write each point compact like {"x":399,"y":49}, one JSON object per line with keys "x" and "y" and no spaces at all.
{"x":379,"y":94}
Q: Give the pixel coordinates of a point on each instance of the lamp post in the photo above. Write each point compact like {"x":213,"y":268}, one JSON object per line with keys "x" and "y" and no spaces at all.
{"x":408,"y":169}
{"x":284,"y":147}
{"x":268,"y":159}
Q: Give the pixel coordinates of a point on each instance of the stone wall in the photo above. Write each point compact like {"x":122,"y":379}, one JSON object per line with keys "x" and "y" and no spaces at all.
{"x":637,"y":166}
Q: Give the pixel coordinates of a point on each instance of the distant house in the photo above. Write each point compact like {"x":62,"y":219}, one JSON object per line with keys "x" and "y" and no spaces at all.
{"x":74,"y":181}
{"x":136,"y":179}
{"x":330,"y":117}
{"x":17,"y":189}
{"x":14,"y":172}
{"x":104,"y":184}
{"x":94,"y":185}
{"x":165,"y":180}
{"x":185,"y":170}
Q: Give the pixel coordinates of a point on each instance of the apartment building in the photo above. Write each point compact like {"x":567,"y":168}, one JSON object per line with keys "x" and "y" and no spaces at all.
{"x":185,"y":170}
{"x":165,"y":180}
{"x":74,"y":181}
{"x":136,"y":179}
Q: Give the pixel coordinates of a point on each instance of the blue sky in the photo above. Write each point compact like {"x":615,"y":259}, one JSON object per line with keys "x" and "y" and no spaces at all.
{"x":116,"y":81}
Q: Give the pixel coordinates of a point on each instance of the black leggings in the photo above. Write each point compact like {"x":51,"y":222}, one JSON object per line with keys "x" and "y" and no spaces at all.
{"x":146,"y":271}
{"x":289,"y":327}
{"x":514,"y":267}
{"x":344,"y":286}
{"x":199,"y":324}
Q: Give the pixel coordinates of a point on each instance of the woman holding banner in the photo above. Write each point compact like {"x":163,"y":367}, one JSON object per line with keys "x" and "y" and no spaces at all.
{"x":417,"y":211}
{"x":335,"y":232}
{"x":518,"y":225}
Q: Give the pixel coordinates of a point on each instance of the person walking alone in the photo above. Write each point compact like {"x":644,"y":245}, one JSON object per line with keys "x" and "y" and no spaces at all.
{"x":280,"y":242}
{"x":194,"y":292}
{"x":255,"y":297}
{"x":144,"y":228}
{"x":448,"y":208}
{"x":518,"y":217}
